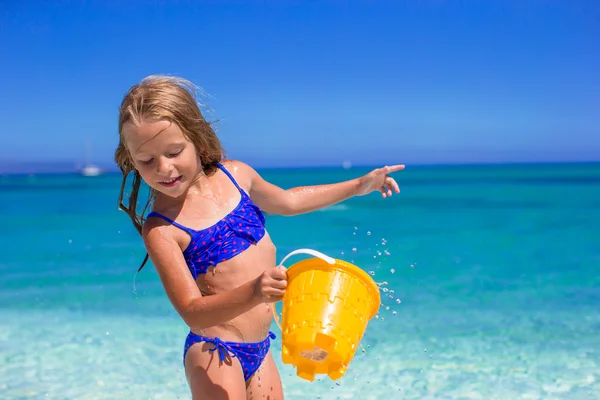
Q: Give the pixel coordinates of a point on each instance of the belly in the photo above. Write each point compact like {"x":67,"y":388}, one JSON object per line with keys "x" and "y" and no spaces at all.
{"x":254,"y":325}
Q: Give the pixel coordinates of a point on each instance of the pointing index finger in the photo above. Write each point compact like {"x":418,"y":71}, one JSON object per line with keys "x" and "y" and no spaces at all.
{"x":394,"y":168}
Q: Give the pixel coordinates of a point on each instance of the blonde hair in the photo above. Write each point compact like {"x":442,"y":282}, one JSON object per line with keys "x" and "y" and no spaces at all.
{"x":160,"y":97}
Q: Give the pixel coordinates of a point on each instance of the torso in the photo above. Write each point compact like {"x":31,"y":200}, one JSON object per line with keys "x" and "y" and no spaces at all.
{"x":204,"y":210}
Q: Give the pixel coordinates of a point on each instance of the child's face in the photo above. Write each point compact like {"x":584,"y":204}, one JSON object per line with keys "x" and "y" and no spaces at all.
{"x":164,"y":157}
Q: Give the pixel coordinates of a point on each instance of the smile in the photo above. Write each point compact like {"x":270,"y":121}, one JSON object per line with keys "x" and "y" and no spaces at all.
{"x":171,"y":182}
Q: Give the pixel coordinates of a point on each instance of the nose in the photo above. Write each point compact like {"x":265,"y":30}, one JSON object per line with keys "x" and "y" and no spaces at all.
{"x":164,"y":166}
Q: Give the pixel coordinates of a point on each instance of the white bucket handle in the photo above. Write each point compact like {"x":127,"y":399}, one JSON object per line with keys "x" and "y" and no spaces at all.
{"x":314,"y":253}
{"x":310,"y":252}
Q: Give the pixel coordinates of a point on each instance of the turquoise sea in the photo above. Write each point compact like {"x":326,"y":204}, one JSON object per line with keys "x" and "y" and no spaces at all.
{"x":490,"y":279}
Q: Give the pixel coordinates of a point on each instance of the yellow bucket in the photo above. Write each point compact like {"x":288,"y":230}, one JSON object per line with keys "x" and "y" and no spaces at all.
{"x":326,"y":308}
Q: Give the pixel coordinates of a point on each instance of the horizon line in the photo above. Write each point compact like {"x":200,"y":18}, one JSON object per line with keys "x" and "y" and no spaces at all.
{"x":115,"y":170}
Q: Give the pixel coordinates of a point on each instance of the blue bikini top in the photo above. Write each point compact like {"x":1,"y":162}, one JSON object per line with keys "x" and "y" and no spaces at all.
{"x":233,"y":234}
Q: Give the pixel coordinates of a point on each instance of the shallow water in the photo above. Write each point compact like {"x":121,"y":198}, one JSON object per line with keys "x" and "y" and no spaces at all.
{"x":494,"y":272}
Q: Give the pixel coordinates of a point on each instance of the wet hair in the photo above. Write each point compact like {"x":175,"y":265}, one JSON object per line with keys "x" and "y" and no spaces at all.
{"x":163,"y":98}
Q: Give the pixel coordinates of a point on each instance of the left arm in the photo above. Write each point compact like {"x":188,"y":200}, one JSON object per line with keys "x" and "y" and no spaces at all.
{"x":299,"y":200}
{"x":304,"y":199}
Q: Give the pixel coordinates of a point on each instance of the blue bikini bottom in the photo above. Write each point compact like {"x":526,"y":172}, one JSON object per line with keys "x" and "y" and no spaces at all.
{"x":250,"y":355}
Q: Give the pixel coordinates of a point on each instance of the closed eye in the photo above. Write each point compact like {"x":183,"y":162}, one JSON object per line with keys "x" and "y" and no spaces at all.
{"x":173,"y":155}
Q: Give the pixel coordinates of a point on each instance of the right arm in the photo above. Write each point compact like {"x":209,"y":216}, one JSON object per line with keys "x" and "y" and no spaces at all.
{"x":198,"y":312}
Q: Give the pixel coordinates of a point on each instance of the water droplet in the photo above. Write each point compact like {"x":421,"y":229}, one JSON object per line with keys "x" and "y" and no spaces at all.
{"x":387,"y":253}
{"x":356,"y":228}
{"x":387,"y":307}
{"x":394,"y":313}
{"x":385,"y":289}
{"x":398,"y":301}
{"x":371,"y":272}
{"x":70,"y":241}
{"x":107,"y":333}
{"x":412,"y":266}
{"x":354,"y":249}
{"x":368,"y":233}
{"x":392,"y":270}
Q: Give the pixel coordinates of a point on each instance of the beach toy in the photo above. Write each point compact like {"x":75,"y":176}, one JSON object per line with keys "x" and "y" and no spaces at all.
{"x":326,"y":308}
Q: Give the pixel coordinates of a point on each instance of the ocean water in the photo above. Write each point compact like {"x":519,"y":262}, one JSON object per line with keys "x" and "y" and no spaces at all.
{"x":490,"y":281}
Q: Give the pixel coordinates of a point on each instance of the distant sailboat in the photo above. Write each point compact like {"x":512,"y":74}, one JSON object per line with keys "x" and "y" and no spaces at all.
{"x":89,"y":169}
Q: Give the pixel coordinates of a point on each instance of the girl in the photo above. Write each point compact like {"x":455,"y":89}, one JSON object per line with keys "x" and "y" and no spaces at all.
{"x":206,"y":235}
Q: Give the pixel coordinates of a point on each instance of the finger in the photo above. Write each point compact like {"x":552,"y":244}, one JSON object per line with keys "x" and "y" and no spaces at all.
{"x":279,"y":273}
{"x":275,"y":291}
{"x":276,"y":298}
{"x":279,"y":284}
{"x":393,"y":168}
{"x":275,"y":282}
{"x":386,"y":188}
{"x":383,"y":191}
{"x":273,"y":298}
{"x":392,"y":184}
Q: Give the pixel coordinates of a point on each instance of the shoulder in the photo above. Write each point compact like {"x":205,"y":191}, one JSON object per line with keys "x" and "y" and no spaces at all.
{"x":155,"y":231}
{"x":238,"y":167}
{"x":243,"y":173}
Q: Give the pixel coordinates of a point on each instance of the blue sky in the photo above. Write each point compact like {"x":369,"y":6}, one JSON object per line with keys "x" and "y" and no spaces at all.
{"x":312,"y":83}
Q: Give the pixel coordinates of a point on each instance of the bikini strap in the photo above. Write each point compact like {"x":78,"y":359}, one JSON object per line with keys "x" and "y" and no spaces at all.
{"x":169,"y":220}
{"x":230,"y":177}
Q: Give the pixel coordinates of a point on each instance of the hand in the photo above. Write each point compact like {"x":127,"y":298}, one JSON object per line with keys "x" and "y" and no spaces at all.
{"x":270,"y":285}
{"x":380,"y":180}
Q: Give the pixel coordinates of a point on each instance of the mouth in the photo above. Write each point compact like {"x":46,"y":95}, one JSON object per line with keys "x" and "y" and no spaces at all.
{"x":171,"y":182}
